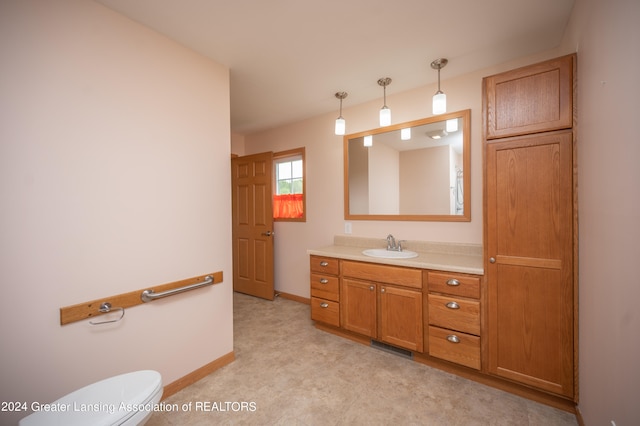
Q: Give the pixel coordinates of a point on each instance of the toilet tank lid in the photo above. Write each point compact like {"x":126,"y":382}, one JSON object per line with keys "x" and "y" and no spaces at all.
{"x":107,"y":402}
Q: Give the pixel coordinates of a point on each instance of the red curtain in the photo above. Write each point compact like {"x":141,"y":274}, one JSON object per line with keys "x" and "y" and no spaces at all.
{"x":287,"y":206}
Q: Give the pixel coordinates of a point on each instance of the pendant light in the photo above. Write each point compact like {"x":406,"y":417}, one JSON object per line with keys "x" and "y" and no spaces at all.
{"x":439,"y":99}
{"x":385,"y":112}
{"x":340,"y":123}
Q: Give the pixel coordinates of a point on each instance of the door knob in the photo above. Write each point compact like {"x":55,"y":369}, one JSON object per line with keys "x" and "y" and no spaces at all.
{"x":268,"y":233}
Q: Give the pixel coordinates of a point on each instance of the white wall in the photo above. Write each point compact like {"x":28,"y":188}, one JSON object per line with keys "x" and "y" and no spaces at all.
{"x":606,"y":35}
{"x":432,"y":165}
{"x":114,"y":165}
{"x":384,"y":179}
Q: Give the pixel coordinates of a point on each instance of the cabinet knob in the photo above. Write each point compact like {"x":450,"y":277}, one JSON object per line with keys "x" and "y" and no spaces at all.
{"x":382,"y":290}
{"x":323,"y":280}
{"x":371,"y":288}
{"x":453,"y":282}
{"x":453,"y":338}
{"x":324,"y":305}
{"x":452,"y":305}
{"x":323,"y":263}
{"x":492,"y":260}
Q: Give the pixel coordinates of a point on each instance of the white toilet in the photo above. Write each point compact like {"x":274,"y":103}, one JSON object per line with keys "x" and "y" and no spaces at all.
{"x":127,"y":399}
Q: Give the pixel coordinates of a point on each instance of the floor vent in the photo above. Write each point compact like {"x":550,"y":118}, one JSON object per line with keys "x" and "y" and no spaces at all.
{"x":392,"y":349}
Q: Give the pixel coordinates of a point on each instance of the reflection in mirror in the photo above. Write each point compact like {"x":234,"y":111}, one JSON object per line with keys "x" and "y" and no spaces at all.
{"x":411,"y":171}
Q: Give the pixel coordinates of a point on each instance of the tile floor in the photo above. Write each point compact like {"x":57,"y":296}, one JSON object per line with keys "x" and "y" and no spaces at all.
{"x":287,"y":372}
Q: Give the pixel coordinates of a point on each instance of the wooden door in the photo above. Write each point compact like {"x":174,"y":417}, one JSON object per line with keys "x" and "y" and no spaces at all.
{"x":401,"y":317}
{"x":529,"y":243}
{"x":253,"y":224}
{"x":358,"y":306}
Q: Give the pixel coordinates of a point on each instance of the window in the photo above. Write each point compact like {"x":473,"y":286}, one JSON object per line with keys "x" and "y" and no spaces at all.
{"x":289,"y":198}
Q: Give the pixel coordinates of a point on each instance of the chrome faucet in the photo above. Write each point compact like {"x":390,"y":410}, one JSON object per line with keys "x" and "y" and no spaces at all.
{"x":391,"y":244}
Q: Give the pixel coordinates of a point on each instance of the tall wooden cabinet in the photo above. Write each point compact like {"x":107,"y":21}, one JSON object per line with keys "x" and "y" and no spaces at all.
{"x":530,"y":225}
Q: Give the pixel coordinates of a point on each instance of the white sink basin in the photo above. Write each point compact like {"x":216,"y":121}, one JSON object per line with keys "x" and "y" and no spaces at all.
{"x":388,"y":254}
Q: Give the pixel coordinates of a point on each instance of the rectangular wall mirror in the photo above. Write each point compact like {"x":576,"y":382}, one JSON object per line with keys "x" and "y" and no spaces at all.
{"x":417,"y":170}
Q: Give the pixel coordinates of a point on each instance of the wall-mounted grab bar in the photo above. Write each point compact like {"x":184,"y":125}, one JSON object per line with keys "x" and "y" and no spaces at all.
{"x":150,"y":295}
{"x":81,"y":311}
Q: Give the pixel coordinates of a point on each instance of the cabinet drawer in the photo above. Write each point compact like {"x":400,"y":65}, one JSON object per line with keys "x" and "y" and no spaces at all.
{"x":326,"y":311}
{"x":325,"y":287}
{"x":454,"y":284}
{"x":456,"y":314}
{"x":454,"y":346}
{"x":325,"y":265}
{"x":399,"y":275}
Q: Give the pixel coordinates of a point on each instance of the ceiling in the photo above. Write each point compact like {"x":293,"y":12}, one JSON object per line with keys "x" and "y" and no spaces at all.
{"x":287,"y":58}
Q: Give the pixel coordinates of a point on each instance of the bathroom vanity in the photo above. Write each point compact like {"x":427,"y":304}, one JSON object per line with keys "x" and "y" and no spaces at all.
{"x":504,"y":313}
{"x":428,"y":304}
{"x":431,"y":308}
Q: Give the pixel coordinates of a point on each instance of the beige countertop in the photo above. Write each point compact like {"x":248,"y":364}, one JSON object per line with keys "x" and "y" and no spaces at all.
{"x":452,"y":257}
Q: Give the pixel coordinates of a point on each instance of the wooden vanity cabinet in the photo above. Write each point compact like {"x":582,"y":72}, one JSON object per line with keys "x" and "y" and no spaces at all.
{"x":383,"y":302}
{"x":325,"y":290}
{"x":530,"y":226}
{"x":453,"y":317}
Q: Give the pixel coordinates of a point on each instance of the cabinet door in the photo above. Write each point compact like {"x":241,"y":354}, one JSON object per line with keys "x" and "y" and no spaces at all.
{"x":358,"y":306}
{"x":401,"y":317}
{"x":532,"y":99}
{"x":529,"y":215}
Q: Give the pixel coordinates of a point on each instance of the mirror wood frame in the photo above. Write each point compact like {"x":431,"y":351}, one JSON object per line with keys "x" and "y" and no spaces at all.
{"x":465,"y":115}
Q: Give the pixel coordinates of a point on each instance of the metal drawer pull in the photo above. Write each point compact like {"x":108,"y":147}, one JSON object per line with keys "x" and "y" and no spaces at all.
{"x":323,"y":280}
{"x":324,"y":305}
{"x":453,"y":282}
{"x":452,"y":305}
{"x":323,"y":263}
{"x":453,"y":338}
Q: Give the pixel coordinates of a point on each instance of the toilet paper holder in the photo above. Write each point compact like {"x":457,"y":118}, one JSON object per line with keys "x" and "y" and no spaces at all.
{"x":105,"y":308}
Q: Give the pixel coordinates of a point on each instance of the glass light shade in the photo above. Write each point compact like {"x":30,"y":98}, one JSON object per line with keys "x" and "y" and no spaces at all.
{"x":368,"y":140}
{"x":405,"y":134}
{"x":452,"y":125}
{"x":385,"y":116}
{"x":340,"y":126}
{"x":439,"y":103}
